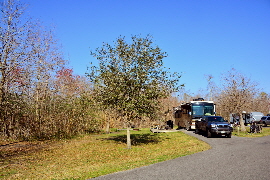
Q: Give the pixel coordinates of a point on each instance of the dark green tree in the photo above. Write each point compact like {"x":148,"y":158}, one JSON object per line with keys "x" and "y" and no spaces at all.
{"x":131,"y":79}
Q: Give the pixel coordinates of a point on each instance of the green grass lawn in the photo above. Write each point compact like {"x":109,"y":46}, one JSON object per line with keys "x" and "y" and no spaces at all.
{"x":237,"y":132}
{"x":95,"y":155}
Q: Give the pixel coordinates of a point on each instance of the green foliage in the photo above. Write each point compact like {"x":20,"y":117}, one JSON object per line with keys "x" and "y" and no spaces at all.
{"x":131,"y":78}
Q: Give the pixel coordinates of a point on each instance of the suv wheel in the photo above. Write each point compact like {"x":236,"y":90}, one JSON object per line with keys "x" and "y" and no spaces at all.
{"x":209,"y":134}
{"x":229,"y":135}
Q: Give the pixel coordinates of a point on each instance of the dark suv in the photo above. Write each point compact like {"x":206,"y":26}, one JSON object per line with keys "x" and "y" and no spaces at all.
{"x":213,"y":125}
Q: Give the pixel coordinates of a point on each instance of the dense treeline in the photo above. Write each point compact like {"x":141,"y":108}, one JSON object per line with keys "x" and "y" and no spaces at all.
{"x":40,"y":98}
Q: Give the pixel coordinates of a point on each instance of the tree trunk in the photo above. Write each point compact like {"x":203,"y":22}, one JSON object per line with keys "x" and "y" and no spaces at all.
{"x":128,"y":138}
{"x":243,"y":128}
{"x":106,"y":117}
{"x":108,"y":125}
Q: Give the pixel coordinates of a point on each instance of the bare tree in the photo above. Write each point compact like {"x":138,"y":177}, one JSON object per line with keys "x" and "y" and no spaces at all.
{"x":236,"y":94}
{"x":166,"y":108}
{"x":262,"y":103}
{"x":211,"y":87}
{"x":44,"y":59}
{"x":29,"y":55}
{"x":74,"y":110}
{"x":12,"y":33}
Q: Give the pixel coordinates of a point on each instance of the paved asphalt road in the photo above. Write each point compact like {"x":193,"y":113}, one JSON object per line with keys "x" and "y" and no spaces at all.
{"x":233,"y":158}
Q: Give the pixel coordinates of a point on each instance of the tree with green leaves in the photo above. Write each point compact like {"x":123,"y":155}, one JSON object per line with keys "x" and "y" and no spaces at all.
{"x":131,"y":79}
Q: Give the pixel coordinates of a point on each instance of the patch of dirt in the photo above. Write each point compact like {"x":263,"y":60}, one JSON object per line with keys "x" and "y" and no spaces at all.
{"x":20,"y":148}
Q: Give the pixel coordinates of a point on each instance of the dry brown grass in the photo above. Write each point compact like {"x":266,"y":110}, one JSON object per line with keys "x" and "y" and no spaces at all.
{"x":94,"y":155}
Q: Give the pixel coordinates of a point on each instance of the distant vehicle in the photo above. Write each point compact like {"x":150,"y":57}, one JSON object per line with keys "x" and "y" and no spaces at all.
{"x":213,"y":125}
{"x":265,"y":120}
{"x":186,"y":114}
{"x":247,"y":117}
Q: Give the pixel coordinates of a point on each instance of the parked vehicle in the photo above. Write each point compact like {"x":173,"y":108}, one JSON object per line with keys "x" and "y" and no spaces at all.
{"x":186,"y":114}
{"x":247,"y":117}
{"x":214,"y":125}
{"x":265,"y":120}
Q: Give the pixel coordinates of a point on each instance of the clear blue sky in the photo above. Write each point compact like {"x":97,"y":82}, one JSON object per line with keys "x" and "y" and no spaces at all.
{"x":201,"y":37}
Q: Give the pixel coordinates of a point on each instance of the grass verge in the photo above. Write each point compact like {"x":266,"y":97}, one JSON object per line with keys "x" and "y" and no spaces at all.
{"x":237,"y":132}
{"x":95,"y":155}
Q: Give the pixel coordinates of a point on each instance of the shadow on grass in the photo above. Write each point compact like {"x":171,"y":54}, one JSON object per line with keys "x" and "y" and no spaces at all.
{"x":137,"y":139}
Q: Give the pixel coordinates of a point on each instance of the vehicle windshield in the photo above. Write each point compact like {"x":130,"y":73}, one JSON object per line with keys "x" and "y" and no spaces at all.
{"x":216,"y":119}
{"x":203,"y":109}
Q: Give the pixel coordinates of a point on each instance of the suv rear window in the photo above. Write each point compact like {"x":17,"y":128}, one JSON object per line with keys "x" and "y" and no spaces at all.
{"x":263,"y":118}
